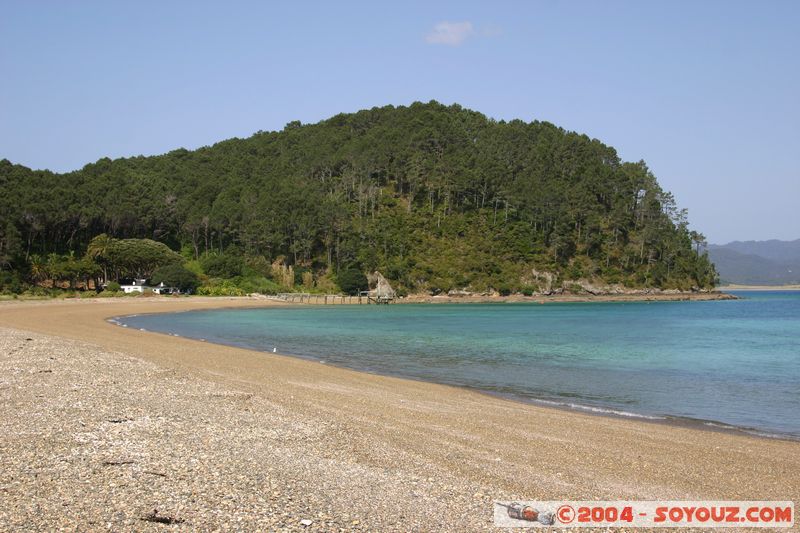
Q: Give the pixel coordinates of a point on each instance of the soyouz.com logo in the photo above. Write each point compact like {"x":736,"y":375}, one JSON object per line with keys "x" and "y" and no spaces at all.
{"x":649,"y":514}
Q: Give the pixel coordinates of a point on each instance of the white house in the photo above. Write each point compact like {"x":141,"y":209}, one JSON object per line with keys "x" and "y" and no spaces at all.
{"x":164,"y":289}
{"x":138,"y":285}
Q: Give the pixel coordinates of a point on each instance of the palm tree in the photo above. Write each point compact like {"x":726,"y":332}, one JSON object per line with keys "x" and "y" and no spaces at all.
{"x":97,"y":251}
{"x":54,"y":268}
{"x":38,"y":268}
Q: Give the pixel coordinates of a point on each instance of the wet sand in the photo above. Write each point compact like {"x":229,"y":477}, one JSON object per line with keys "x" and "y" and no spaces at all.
{"x":345,"y":449}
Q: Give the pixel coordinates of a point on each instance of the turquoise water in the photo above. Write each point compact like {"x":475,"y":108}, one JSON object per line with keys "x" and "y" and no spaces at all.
{"x":734,"y":363}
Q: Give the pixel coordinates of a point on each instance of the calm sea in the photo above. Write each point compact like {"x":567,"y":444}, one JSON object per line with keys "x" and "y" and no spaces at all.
{"x":729,"y":363}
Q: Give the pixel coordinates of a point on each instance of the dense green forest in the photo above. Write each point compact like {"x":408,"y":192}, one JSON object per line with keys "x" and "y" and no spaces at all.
{"x":435,"y":197}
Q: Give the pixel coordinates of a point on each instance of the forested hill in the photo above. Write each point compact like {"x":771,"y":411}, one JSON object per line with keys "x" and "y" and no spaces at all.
{"x":435,"y":197}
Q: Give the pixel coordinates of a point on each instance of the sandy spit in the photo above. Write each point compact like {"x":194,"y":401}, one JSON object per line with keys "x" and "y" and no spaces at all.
{"x":760,"y":288}
{"x":103,"y":427}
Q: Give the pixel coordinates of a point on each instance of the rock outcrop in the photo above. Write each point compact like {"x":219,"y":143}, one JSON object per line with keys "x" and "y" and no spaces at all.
{"x":381,"y":287}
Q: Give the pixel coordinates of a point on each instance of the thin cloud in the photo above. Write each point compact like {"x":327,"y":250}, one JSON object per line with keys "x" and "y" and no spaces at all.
{"x":450,"y":33}
{"x":492,"y":31}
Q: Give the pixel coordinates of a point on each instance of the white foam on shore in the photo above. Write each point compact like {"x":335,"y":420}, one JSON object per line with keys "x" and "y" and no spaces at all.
{"x":750,"y":431}
{"x":599,"y":410}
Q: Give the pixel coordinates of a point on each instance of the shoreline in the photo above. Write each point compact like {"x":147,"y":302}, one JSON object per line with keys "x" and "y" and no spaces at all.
{"x":714,"y":426}
{"x":636,"y":296}
{"x":766,"y":288}
{"x":209,"y":303}
{"x":695,"y":424}
{"x":338,"y":434}
{"x":572,"y":298}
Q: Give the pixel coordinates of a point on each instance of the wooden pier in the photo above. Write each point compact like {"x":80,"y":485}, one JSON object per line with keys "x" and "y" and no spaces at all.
{"x":363,"y":298}
{"x":372,"y":298}
{"x":382,"y":294}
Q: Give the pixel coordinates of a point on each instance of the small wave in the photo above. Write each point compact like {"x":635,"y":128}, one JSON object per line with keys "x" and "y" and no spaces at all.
{"x":751,"y":431}
{"x":599,"y":410}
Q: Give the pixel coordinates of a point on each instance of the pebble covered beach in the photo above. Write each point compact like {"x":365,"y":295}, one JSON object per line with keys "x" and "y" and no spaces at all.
{"x":105,"y":427}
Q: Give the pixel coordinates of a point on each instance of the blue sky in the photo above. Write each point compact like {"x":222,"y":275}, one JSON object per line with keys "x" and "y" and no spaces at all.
{"x":707,"y":93}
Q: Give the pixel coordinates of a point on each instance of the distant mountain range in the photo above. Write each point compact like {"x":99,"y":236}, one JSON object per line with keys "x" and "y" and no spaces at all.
{"x":770,"y":262}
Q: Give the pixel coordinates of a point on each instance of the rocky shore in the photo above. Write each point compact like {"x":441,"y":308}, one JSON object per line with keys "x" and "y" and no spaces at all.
{"x":654,"y":295}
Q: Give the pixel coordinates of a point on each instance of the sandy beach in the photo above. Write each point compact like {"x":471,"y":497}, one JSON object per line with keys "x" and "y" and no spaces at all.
{"x":760,"y":288}
{"x":105,"y":427}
